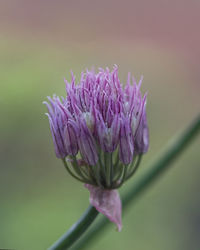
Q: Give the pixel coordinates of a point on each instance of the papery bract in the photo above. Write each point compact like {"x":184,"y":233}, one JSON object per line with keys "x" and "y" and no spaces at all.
{"x":107,"y":202}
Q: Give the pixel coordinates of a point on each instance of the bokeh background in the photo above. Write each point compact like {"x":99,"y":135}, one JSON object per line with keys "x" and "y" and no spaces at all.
{"x":40,"y":42}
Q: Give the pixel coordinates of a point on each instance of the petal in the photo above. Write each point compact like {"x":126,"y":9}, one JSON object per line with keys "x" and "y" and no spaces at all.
{"x":115,"y":128}
{"x":126,"y":146}
{"x":57,"y":119}
{"x":87,"y":145}
{"x":106,"y":202}
{"x":141,"y":140}
{"x":70,"y":140}
{"x":56,"y":145}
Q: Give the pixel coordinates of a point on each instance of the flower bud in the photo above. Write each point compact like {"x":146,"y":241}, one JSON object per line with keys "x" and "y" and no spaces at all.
{"x":100,"y":131}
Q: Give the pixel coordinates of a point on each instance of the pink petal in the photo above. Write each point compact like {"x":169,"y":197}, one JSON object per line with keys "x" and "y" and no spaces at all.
{"x":106,"y":202}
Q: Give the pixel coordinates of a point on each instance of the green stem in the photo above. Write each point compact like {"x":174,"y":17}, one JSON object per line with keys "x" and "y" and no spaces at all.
{"x":70,"y":172}
{"x":77,"y":168}
{"x":173,"y":150}
{"x":111,"y":168}
{"x":76,"y":230}
{"x":107,"y":166}
{"x":137,"y":164}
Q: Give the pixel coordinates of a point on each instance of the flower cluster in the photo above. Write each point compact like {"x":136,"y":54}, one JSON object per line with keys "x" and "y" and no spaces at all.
{"x":100,"y":129}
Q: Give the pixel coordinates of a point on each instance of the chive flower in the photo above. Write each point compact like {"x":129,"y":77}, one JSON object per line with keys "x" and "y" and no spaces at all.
{"x":100,"y":132}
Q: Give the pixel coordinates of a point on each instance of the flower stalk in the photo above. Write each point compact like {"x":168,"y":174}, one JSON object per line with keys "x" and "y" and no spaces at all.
{"x":76,"y":230}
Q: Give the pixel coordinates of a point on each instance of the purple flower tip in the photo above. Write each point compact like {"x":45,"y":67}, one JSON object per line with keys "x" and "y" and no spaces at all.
{"x":99,"y":111}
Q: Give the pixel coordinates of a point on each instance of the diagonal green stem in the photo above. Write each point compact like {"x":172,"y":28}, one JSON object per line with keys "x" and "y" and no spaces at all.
{"x":76,"y":230}
{"x":173,"y":150}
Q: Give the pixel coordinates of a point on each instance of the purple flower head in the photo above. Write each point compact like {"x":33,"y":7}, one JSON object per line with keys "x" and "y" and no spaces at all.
{"x":100,"y":130}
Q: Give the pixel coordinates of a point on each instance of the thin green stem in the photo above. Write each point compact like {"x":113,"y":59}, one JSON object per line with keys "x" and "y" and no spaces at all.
{"x":135,"y":167}
{"x":70,"y":172}
{"x":118,"y":175}
{"x":111,"y":168}
{"x":173,"y":150}
{"x":107,"y":158}
{"x":101,"y":164}
{"x":76,"y":230}
{"x":77,"y":169}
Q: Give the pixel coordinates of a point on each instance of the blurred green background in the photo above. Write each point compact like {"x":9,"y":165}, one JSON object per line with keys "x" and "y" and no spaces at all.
{"x":40,"y":42}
